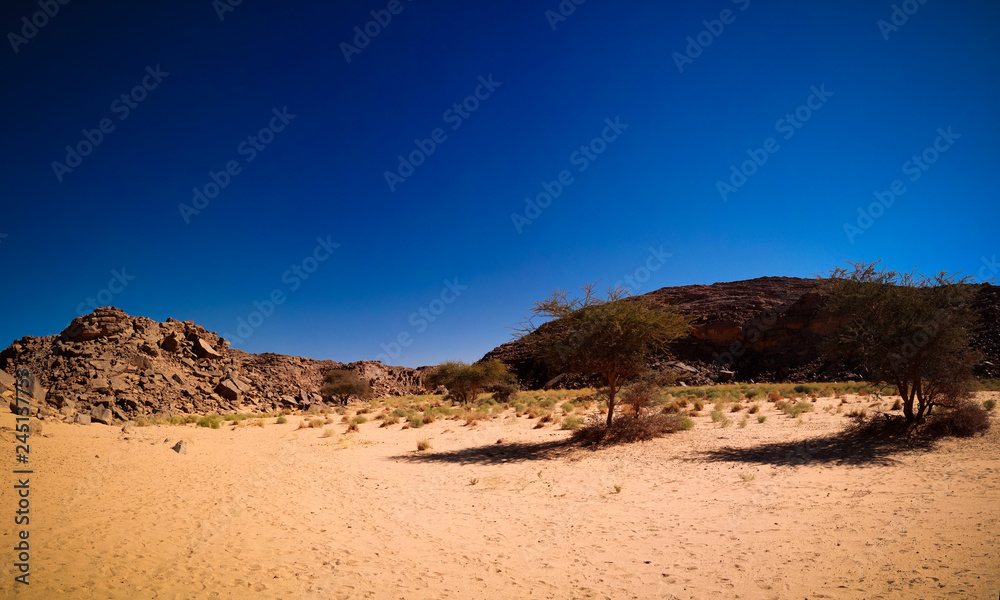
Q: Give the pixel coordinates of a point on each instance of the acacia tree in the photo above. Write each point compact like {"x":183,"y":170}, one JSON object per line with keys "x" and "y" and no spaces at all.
{"x":611,"y":337}
{"x":465,"y":381}
{"x":907,"y":330}
{"x":342,"y":384}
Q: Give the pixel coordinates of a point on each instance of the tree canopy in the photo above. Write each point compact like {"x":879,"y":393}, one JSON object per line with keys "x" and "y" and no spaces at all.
{"x":612,"y":337}
{"x":905,"y":330}
{"x":465,"y":381}
{"x":342,"y":384}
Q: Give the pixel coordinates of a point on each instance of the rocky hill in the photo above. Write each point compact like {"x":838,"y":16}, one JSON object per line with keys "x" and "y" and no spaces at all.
{"x":108,"y":365}
{"x":764,"y":329}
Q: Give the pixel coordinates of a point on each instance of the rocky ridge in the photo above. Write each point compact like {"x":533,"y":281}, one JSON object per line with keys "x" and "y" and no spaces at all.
{"x":764,"y":329}
{"x":108,"y":365}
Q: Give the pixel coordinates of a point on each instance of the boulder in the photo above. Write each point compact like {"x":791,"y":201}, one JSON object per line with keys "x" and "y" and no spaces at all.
{"x":170,"y":343}
{"x":229,"y":390}
{"x":120,"y":384}
{"x":99,"y":414}
{"x":204,"y":350}
{"x":6,"y":381}
{"x":181,"y":447}
{"x":83,"y":419}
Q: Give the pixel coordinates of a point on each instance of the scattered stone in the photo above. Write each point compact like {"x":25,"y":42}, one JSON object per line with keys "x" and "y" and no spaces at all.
{"x":83,"y":419}
{"x":181,"y":447}
{"x":34,"y":427}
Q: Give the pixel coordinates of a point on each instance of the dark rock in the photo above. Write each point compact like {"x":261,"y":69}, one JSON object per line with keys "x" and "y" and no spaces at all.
{"x":229,"y":390}
{"x":102,"y":415}
{"x":171,"y":343}
{"x":181,"y":447}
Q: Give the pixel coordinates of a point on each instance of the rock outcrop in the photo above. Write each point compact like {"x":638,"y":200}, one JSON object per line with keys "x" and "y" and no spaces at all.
{"x":110,"y":366}
{"x":764,"y":329}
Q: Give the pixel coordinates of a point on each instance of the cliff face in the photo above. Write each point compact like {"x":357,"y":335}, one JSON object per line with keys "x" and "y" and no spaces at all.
{"x":110,"y":363}
{"x":765,"y":329}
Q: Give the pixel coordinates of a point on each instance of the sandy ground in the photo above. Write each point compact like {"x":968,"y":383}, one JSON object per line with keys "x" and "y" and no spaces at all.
{"x":772,"y":510}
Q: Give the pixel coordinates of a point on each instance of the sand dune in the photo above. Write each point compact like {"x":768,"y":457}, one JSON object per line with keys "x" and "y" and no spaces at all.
{"x":772,"y":510}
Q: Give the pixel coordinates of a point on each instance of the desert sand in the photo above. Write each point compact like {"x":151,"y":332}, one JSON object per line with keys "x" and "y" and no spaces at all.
{"x":502,"y":510}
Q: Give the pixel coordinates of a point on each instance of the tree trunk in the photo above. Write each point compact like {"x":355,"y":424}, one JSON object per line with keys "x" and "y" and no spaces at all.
{"x":612,"y":392}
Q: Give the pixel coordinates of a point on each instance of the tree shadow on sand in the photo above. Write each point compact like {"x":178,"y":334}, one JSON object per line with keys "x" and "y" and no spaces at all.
{"x":867,"y":443}
{"x":496,"y":454}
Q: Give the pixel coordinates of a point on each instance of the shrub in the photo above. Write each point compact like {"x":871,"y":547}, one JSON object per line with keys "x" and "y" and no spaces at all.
{"x":359,"y":419}
{"x":503,"y":392}
{"x":754,"y":409}
{"x":990,"y":404}
{"x":352,"y":428}
{"x":328,"y":432}
{"x":624,"y":431}
{"x":686,"y":424}
{"x":761,"y":418}
{"x":718,"y":417}
{"x":774,"y":396}
{"x":281,"y":420}
{"x":743,"y":421}
{"x":423,"y":445}
{"x":572,"y":422}
{"x":964,"y":420}
{"x":795,"y":409}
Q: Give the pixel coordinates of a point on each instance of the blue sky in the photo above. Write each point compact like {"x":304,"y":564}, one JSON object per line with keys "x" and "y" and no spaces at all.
{"x":674,"y":145}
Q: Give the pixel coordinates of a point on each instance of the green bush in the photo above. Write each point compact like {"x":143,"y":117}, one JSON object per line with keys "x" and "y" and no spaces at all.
{"x":572,"y":422}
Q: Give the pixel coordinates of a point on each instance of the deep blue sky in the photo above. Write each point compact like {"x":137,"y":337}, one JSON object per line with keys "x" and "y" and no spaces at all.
{"x":322,"y":175}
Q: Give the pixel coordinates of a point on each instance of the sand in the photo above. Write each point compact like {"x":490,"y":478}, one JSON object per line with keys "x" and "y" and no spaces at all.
{"x":279,"y":512}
